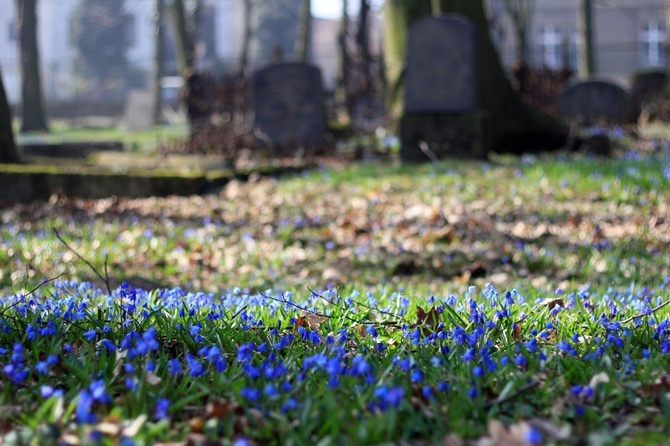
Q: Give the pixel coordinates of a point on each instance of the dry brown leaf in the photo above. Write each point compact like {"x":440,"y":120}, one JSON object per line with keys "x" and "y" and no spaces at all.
{"x":220,"y":409}
{"x":657,"y":388}
{"x":313,"y":320}
{"x":551,"y":303}
{"x":427,"y":320}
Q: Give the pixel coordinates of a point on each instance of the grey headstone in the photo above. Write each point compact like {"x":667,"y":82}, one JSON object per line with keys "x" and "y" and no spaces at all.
{"x":138,"y":112}
{"x":593,"y":101}
{"x":289,"y":105}
{"x":441,"y":71}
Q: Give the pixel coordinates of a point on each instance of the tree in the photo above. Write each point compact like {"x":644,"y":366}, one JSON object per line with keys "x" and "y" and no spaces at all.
{"x":33,"y":117}
{"x":363,"y":42}
{"x":184,"y":38}
{"x":304,"y":34}
{"x":158,"y":9}
{"x":514,"y":126}
{"x":100,"y":32}
{"x":520,"y":13}
{"x":8,"y":152}
{"x":587,"y":60}
{"x":344,"y":60}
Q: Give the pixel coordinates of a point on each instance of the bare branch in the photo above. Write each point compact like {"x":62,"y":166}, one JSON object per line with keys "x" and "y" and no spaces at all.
{"x":641,"y":315}
{"x":104,"y":278}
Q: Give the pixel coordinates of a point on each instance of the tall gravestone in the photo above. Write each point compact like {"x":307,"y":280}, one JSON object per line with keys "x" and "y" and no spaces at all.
{"x":289,"y":106}
{"x":440,"y":116}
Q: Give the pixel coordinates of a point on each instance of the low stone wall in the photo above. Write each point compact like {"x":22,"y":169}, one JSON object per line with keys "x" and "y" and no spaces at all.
{"x":29,"y":183}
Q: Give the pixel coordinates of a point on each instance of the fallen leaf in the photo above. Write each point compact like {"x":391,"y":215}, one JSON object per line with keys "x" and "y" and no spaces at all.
{"x":133,"y":428}
{"x":427,"y":320}
{"x":313,"y":320}
{"x":108,"y":429}
{"x":153,"y":379}
{"x":551,"y":303}
{"x":654,"y":390}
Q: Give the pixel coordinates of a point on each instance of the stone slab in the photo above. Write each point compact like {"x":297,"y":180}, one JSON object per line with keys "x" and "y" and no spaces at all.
{"x":289,"y":106}
{"x":441,"y":73}
{"x":594,"y":102}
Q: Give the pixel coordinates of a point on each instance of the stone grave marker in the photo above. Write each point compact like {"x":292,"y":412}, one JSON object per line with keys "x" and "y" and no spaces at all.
{"x":441,"y":69}
{"x":289,"y":106}
{"x":594,"y":101}
{"x":138,"y":112}
{"x":440,"y":116}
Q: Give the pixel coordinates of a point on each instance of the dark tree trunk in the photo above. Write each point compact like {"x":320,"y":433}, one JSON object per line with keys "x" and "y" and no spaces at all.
{"x":514,"y":126}
{"x":8,"y":152}
{"x":33,"y":117}
{"x":304,"y":34}
{"x":344,"y":65}
{"x":183,"y":39}
{"x":158,"y":59}
{"x":587,"y":57}
{"x":363,"y":42}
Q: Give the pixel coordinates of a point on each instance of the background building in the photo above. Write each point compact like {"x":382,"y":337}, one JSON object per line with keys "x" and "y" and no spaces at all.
{"x":630,"y":35}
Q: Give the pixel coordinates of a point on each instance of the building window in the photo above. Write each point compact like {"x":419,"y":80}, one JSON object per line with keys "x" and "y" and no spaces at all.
{"x":549,"y":43}
{"x":652,"y":45}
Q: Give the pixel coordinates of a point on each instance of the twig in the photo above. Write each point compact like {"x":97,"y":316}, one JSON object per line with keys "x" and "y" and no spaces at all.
{"x":369,"y":307}
{"x":44,"y":282}
{"x":638,"y":316}
{"x":282,"y":300}
{"x":237,"y":313}
{"x":330,"y":316}
{"x":105,"y":279}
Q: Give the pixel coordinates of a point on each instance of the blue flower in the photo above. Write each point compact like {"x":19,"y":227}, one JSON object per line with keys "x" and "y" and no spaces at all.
{"x":533,"y":436}
{"x":250,"y":393}
{"x":174,"y":368}
{"x":90,"y":335}
{"x":98,"y":391}
{"x":161,"y":409}
{"x":83,"y":410}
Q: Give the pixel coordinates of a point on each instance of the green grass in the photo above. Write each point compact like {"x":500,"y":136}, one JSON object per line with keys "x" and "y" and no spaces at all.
{"x":378,"y":304}
{"x":146,"y":141}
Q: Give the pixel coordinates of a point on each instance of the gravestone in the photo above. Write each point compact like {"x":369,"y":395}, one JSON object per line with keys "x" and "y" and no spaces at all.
{"x":440,"y":117}
{"x":441,"y":68}
{"x":138,"y":111}
{"x":289,"y":106}
{"x":594,"y":102}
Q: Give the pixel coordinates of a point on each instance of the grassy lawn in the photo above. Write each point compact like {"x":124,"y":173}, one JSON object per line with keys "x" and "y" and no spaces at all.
{"x":520,"y":301}
{"x":137,"y":141}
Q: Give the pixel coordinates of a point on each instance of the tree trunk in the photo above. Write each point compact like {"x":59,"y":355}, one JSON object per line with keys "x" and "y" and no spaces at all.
{"x":514,"y":126}
{"x":344,"y":59}
{"x":363,"y":41}
{"x":587,"y":59}
{"x":158,"y":60}
{"x":241,"y":82}
{"x":32,"y":103}
{"x":8,"y":152}
{"x":302,"y":41}
{"x":183,"y":39}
